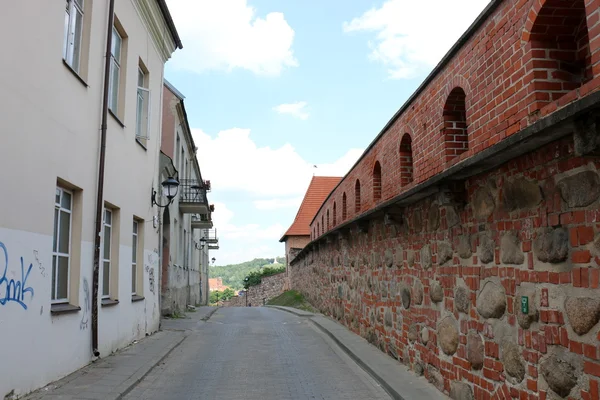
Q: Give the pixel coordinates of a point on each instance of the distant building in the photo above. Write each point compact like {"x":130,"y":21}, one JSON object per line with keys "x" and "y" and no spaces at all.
{"x":298,"y":234}
{"x":216,"y":284}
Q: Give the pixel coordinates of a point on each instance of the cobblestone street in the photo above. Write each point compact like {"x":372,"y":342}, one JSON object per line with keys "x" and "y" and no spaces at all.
{"x":257,"y":353}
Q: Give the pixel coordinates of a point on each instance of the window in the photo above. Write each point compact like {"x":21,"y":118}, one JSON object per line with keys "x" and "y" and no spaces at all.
{"x":142,"y":127}
{"x":357,"y":197}
{"x":106,"y":253}
{"x":377,"y":181}
{"x":134,"y":257}
{"x":61,"y":248}
{"x":344,"y":212}
{"x":115,"y":70}
{"x":73,"y":32}
{"x":406,"y":160}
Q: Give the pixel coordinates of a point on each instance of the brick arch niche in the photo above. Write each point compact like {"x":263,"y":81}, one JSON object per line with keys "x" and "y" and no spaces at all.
{"x":327,"y":219}
{"x":344,"y":207}
{"x":456,"y":139}
{"x":334,"y":214}
{"x":406,"y":160}
{"x":377,"y":181}
{"x":560,"y":49}
{"x":357,"y":196}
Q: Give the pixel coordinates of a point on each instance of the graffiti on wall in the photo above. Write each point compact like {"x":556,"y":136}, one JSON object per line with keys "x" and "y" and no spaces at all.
{"x":85,"y":317}
{"x":152,"y":263}
{"x":41,"y":267}
{"x":14,"y":290}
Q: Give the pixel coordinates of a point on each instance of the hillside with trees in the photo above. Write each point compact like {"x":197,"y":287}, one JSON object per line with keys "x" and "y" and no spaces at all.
{"x":233,"y":275}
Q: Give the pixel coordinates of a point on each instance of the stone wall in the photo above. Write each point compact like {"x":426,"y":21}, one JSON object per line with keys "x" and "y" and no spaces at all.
{"x":495,"y":296}
{"x":271,"y":286}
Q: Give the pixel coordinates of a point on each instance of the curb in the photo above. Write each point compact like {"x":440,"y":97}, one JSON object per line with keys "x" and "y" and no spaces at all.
{"x":393,"y":393}
{"x":136,"y":381}
{"x":298,"y":313}
{"x":210,"y":314}
{"x":305,"y":314}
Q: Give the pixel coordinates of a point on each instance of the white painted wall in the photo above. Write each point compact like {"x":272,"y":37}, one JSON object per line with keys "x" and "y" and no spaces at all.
{"x":51,"y":130}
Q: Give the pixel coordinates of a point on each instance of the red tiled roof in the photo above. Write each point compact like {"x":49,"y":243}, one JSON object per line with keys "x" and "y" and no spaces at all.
{"x":317,"y":192}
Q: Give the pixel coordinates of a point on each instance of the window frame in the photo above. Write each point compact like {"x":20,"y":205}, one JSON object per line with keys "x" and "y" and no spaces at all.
{"x":114,"y":108}
{"x":134,"y":257}
{"x":56,"y":245}
{"x":104,"y":260}
{"x":72,"y":10}
{"x":143,"y":105}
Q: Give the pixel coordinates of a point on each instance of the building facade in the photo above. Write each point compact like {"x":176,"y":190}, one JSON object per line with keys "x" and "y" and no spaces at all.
{"x":186,"y":234}
{"x":464,"y":241}
{"x":79,"y":239}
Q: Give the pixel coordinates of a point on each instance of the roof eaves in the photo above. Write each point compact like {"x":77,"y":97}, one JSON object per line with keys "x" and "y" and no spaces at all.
{"x":170,"y":24}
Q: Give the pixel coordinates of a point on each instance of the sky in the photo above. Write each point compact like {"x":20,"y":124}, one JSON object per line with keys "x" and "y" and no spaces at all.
{"x":278,"y":91}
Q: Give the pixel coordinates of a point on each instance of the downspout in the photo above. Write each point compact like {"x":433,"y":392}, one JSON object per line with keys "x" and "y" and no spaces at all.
{"x":101,"y":162}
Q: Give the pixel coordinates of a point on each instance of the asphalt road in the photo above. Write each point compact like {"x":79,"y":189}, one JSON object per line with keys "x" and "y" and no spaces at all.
{"x":257,"y":353}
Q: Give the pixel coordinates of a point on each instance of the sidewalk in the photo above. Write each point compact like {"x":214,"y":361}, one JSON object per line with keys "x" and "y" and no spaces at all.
{"x":113,"y":377}
{"x":394,"y":377}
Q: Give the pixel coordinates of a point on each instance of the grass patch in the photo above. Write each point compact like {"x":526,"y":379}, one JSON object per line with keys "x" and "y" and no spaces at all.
{"x":291,"y":298}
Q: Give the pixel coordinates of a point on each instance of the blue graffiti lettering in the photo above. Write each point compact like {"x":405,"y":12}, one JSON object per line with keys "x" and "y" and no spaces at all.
{"x":14,"y":290}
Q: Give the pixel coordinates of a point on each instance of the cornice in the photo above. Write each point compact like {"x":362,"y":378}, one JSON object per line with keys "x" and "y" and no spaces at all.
{"x":156,"y":25}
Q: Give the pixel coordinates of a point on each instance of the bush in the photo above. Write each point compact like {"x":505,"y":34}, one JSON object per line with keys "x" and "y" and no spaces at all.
{"x":255,"y":277}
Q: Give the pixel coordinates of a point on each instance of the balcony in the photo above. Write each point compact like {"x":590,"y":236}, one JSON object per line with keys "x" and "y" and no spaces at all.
{"x":192,"y":197}
{"x":213,"y":247}
{"x":201,"y":221}
{"x":211,"y":237}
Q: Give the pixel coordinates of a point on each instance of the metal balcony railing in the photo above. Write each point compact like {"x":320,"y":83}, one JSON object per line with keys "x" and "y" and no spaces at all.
{"x":211,"y":236}
{"x":192,"y":197}
{"x":201,"y":221}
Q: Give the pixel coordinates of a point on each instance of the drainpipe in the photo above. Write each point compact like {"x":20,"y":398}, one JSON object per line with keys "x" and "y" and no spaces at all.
{"x":100,"y":198}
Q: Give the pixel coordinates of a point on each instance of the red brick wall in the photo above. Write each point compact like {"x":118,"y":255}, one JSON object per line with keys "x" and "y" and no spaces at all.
{"x":511,"y":71}
{"x":529,"y":228}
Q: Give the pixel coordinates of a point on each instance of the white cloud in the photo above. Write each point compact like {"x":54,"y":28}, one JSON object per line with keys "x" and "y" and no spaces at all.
{"x":238,"y":243}
{"x":273,"y":204}
{"x":268,"y":178}
{"x":232,"y":161}
{"x":224,"y":35}
{"x":297,"y":110}
{"x":413,"y":36}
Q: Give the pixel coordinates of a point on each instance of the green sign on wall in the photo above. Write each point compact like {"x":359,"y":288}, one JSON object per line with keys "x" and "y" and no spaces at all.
{"x":524,"y":304}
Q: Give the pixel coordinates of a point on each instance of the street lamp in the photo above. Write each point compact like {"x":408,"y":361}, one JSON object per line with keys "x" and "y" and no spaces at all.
{"x":246,"y":292}
{"x":170,"y":187}
{"x":213,"y":260}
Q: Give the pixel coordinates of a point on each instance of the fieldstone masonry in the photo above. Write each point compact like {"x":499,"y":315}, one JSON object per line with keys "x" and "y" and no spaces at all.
{"x":461,"y":323}
{"x":489,"y":203}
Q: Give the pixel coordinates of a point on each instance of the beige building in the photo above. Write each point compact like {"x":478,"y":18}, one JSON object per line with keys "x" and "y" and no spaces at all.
{"x":80,"y":153}
{"x":187,"y":237}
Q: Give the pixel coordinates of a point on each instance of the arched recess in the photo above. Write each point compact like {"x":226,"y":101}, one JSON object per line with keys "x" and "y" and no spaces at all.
{"x":456,"y":139}
{"x":357,"y":197}
{"x":327,"y":219}
{"x":344,"y":207}
{"x":377,"y":181}
{"x":334,"y":214}
{"x":406,"y":160}
{"x":560,"y":49}
{"x":323,"y":224}
{"x":318,"y":230}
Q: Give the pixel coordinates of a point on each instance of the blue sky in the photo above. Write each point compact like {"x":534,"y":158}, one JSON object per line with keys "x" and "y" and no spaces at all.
{"x":274,"y":87}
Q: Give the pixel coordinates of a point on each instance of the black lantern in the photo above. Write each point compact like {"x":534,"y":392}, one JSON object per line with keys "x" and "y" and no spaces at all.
{"x":170,"y":186}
